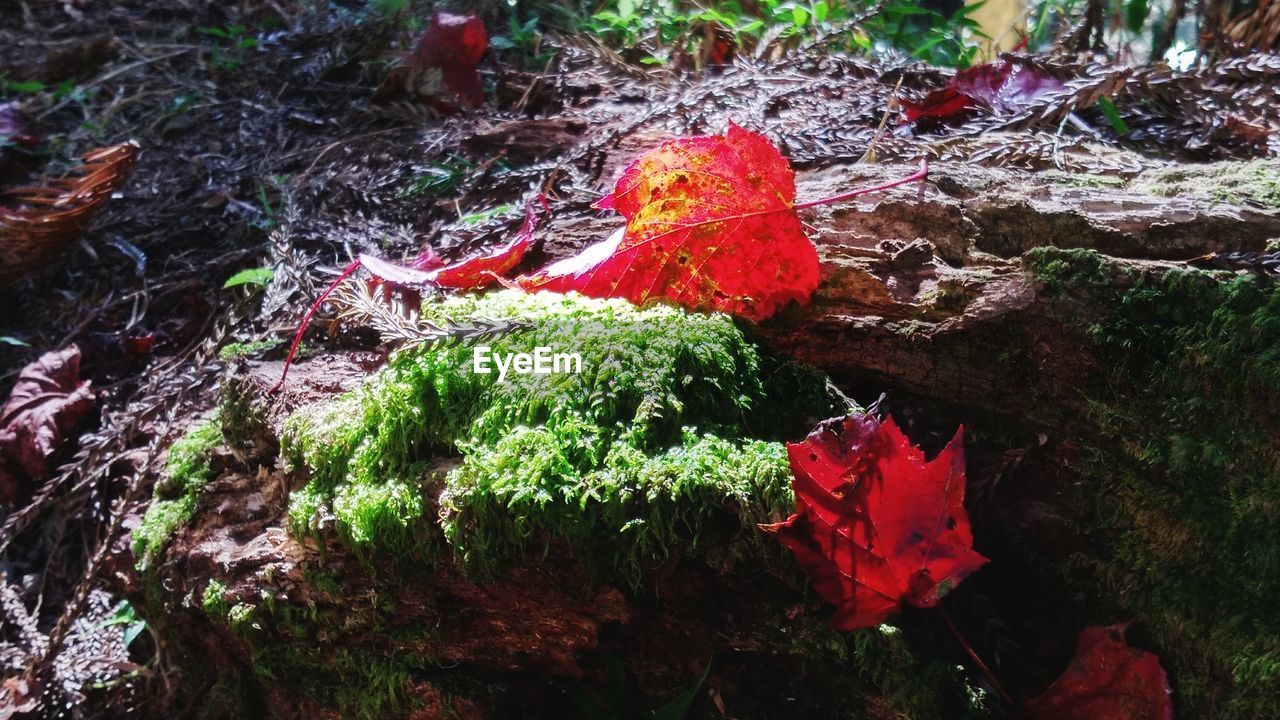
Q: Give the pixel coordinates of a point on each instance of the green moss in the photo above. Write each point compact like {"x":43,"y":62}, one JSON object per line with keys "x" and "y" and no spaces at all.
{"x":214,"y":601}
{"x":1256,"y":182}
{"x":241,"y":618}
{"x":541,"y":485}
{"x":359,"y":684}
{"x":243,"y":415}
{"x":233,"y":350}
{"x":1186,"y":468}
{"x":186,"y":472}
{"x":647,"y":375}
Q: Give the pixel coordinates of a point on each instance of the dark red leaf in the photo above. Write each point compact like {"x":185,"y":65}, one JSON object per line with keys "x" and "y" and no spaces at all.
{"x":999,"y":87}
{"x":453,"y":45}
{"x":876,"y":526}
{"x":46,"y":403}
{"x":1106,"y":680}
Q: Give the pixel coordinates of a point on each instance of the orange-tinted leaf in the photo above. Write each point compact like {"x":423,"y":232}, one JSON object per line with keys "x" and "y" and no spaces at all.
{"x":57,"y":212}
{"x":711,"y":225}
{"x":1106,"y":680}
{"x":876,"y":526}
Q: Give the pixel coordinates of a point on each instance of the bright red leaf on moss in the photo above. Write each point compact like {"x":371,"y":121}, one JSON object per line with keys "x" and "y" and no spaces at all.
{"x":998,"y":87}
{"x":1106,"y":680}
{"x":711,"y":225}
{"x":876,"y":526}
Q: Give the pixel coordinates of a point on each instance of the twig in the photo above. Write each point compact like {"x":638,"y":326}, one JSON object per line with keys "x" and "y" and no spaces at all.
{"x":986,"y":671}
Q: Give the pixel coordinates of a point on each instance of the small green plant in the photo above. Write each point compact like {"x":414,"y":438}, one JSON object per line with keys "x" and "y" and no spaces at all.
{"x":125,"y":614}
{"x":259,"y":276}
{"x":20,"y":87}
{"x":437,"y":179}
{"x":523,"y":37}
{"x":661,"y":29}
{"x":235,"y":42}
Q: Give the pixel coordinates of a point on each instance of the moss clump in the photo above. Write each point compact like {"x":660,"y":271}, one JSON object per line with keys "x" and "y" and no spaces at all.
{"x":233,"y":350}
{"x":541,"y":452}
{"x":214,"y":601}
{"x":360,"y":684}
{"x":1256,"y":182}
{"x":241,"y":618}
{"x":185,"y":474}
{"x":538,"y":485}
{"x":1187,"y":469}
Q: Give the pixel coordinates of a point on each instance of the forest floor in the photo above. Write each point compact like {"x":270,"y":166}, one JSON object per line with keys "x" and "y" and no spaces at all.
{"x":272,"y":155}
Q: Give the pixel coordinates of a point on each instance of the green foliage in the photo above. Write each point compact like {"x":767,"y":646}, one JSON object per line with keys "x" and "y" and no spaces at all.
{"x":542,"y":485}
{"x":259,"y":276}
{"x":1255,"y":183}
{"x":438,"y":179}
{"x":657,"y":31}
{"x":185,"y":474}
{"x":125,"y":614}
{"x":1187,"y":469}
{"x":233,"y":350}
{"x":233,"y":42}
{"x":241,"y":618}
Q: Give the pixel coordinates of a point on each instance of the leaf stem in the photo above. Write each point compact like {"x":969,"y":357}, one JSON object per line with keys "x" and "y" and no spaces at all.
{"x":306,"y":320}
{"x":986,"y":671}
{"x":920,"y":174}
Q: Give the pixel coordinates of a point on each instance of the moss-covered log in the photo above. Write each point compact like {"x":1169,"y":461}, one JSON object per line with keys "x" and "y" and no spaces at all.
{"x":435,"y":539}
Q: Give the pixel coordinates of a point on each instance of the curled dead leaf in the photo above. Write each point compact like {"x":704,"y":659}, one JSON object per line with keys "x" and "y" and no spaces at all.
{"x":47,"y":402}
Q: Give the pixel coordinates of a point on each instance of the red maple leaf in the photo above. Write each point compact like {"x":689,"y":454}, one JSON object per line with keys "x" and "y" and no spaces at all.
{"x":46,"y":403}
{"x":876,"y":526}
{"x":999,"y":87}
{"x":454,"y":44}
{"x":1106,"y":680}
{"x":711,"y":225}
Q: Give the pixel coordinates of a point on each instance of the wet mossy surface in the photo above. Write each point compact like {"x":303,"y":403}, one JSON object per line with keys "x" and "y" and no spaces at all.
{"x":1183,"y":469}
